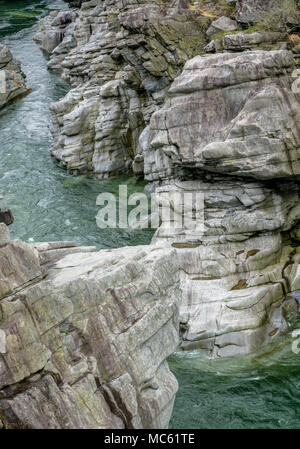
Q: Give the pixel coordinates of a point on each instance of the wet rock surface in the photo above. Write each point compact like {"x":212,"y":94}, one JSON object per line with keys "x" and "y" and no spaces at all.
{"x":12,"y":79}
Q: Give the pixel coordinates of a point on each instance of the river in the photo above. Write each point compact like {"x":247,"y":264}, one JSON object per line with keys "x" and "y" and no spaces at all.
{"x":258,"y":391}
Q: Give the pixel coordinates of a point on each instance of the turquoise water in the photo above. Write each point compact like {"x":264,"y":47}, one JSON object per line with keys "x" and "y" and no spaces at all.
{"x":259,"y":391}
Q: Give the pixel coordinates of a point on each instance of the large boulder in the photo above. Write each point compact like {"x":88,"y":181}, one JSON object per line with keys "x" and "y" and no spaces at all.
{"x":12,"y":79}
{"x":120,"y":58}
{"x":223,"y":24}
{"x":86,"y":346}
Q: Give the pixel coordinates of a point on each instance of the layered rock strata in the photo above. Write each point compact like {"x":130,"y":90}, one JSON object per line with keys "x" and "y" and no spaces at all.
{"x":227,"y":128}
{"x":230,"y":130}
{"x":120,"y":58}
{"x":81,"y":336}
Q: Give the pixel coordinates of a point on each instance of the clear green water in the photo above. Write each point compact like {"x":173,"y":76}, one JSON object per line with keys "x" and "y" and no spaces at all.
{"x":261,"y":391}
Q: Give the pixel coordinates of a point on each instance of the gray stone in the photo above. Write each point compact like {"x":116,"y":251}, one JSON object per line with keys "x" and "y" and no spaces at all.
{"x":83,"y":347}
{"x":222,"y":25}
{"x":120,"y":60}
{"x":265,"y":40}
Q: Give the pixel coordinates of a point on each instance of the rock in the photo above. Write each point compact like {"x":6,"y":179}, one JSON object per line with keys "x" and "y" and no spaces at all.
{"x":19,"y":263}
{"x":236,"y":270}
{"x":51,"y":252}
{"x":6,"y":216}
{"x":225,"y":128}
{"x":252,"y":11}
{"x":222,"y":25}
{"x":178,"y":5}
{"x":265,"y":40}
{"x":83,"y":346}
{"x":231,"y":136}
{"x":52,"y":30}
{"x":4,"y":234}
{"x":120,"y":60}
{"x":12,"y":79}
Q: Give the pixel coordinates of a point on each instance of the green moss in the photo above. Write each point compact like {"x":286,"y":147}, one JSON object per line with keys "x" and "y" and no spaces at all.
{"x":193,"y":45}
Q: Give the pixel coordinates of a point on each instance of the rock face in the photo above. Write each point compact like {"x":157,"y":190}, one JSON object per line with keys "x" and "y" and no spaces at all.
{"x":12,"y":79}
{"x":52,"y":30}
{"x":81,"y":337}
{"x":85,"y":335}
{"x":226,"y":127}
{"x":235,"y":275}
{"x":264,"y":40}
{"x":120,"y":58}
{"x":229,"y":113}
{"x":229,"y":130}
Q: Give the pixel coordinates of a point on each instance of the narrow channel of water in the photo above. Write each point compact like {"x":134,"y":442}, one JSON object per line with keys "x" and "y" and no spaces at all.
{"x":258,"y":391}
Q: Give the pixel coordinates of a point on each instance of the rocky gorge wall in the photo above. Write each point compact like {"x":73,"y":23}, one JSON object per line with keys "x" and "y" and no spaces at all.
{"x":81,"y":333}
{"x":12,"y":79}
{"x":192,"y":106}
{"x":226,"y":126}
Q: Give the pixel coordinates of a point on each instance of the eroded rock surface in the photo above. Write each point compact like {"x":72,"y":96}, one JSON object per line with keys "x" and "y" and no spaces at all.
{"x":86,"y":346}
{"x":227,"y":128}
{"x":230,"y":129}
{"x":229,"y":113}
{"x":263,"y":40}
{"x":12,"y":79}
{"x":252,"y":11}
